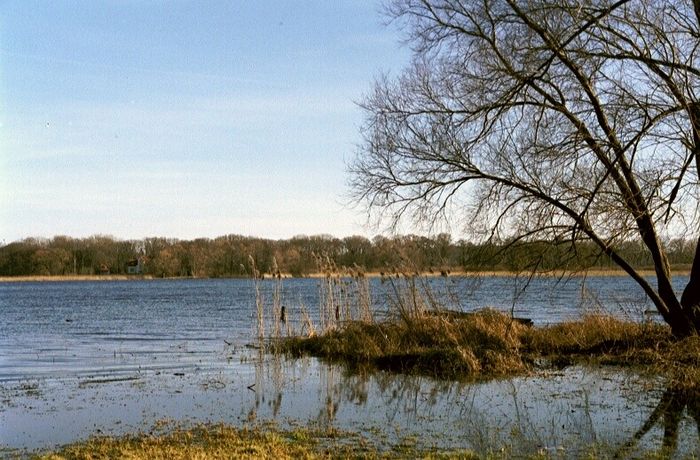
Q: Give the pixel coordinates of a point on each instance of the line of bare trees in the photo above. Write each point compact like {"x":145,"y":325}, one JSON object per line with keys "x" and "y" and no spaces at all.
{"x":228,"y":256}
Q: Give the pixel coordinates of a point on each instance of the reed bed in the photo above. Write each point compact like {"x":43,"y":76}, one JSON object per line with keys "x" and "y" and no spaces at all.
{"x":484,"y":344}
{"x":344,"y":294}
{"x":491,"y":344}
{"x":419,"y":335}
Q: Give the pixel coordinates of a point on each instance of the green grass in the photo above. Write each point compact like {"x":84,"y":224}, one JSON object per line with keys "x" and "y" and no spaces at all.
{"x":226,"y":442}
{"x":220,"y":441}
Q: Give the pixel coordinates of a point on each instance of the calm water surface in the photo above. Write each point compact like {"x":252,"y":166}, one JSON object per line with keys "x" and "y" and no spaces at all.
{"x":118,"y":356}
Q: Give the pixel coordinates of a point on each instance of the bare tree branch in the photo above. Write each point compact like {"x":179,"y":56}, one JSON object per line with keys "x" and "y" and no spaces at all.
{"x":546,"y":119}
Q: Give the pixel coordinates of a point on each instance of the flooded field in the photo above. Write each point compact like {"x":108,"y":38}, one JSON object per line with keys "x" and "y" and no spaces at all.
{"x":118,"y":357}
{"x":568,"y":411}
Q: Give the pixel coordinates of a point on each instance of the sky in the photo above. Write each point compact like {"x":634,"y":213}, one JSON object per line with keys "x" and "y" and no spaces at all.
{"x":185,"y":119}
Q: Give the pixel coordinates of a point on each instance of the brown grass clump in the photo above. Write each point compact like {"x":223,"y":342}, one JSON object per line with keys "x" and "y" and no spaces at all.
{"x":483,"y":343}
{"x":422,"y":336}
{"x":488,"y":344}
{"x":680,"y":362}
{"x":595,"y":335}
{"x":686,"y":351}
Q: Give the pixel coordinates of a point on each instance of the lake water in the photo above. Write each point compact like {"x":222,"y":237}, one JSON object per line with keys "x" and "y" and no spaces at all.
{"x":78,"y":357}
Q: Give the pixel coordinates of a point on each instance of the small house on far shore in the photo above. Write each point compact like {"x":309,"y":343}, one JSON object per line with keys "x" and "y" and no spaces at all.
{"x":135,"y":266}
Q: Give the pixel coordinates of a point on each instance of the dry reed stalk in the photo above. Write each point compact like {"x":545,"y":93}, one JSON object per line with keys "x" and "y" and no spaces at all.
{"x":407,"y":301}
{"x":329,"y":306}
{"x":259,"y":305}
{"x":306,"y":322}
{"x":344,"y":295}
{"x":364,"y":300}
{"x":276,"y":301}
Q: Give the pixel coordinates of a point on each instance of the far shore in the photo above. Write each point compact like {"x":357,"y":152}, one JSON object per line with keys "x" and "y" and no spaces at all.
{"x":5,"y":279}
{"x":459,"y":273}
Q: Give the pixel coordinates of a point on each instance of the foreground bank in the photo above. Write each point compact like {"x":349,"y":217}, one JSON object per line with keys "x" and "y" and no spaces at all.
{"x":221,"y":441}
{"x":226,"y":442}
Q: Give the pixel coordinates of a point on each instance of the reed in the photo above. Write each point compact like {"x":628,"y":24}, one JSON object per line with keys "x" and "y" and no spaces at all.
{"x":420,"y":335}
{"x":307,"y":325}
{"x":259,"y":304}
{"x":277,"y":319}
{"x":344,"y":294}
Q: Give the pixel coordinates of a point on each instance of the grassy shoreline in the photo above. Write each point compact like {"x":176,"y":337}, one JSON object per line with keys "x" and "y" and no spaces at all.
{"x":41,"y":278}
{"x":221,"y":441}
{"x":489,"y":344}
{"x":460,"y":273}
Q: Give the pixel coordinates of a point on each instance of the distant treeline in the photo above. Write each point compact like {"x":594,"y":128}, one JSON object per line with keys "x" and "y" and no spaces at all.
{"x":229,"y":256}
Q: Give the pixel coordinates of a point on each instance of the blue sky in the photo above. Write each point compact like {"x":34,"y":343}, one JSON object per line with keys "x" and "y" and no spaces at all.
{"x":184,"y":119}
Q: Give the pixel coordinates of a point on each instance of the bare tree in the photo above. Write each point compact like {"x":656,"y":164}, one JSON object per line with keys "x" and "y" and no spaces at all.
{"x":561,"y":120}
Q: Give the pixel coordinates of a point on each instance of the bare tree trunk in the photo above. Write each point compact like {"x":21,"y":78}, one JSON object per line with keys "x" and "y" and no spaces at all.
{"x":675,"y":315}
{"x":690,"y":300}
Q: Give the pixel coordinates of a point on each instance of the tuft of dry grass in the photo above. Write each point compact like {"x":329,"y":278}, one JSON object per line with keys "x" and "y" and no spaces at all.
{"x":484,"y":343}
{"x":686,"y":351}
{"x":487,"y":344}
{"x":595,"y":335}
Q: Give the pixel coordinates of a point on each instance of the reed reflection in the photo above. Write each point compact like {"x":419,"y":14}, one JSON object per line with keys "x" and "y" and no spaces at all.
{"x":577,"y":410}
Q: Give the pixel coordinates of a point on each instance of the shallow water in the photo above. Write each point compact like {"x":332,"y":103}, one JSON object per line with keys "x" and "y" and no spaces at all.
{"x":116,"y":357}
{"x":568,"y":411}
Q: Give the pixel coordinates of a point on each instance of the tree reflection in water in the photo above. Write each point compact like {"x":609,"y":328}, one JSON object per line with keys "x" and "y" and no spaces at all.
{"x":669,"y":413}
{"x":572,"y":412}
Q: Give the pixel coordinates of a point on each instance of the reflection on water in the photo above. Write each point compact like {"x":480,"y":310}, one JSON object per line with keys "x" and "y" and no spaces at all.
{"x":572,"y":411}
{"x":673,"y":406}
